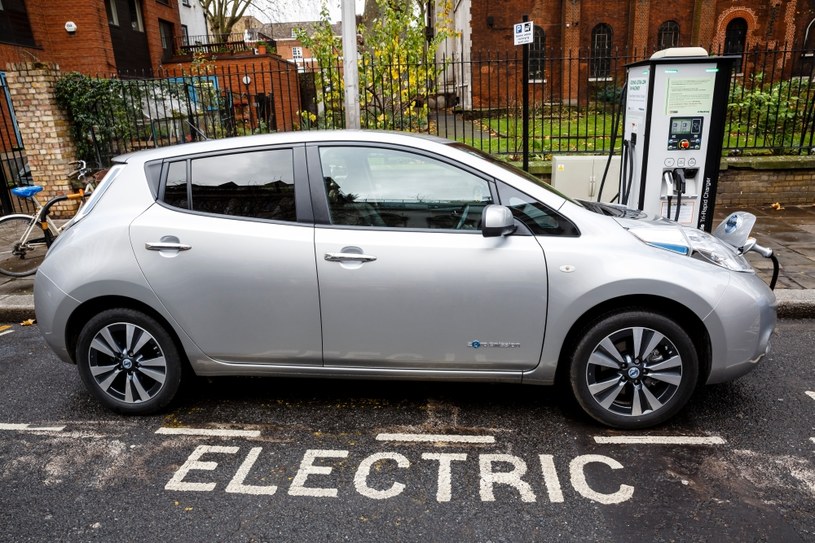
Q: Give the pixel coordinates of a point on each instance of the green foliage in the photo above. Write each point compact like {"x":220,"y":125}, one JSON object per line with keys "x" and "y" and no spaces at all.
{"x":397,"y":69}
{"x":773,"y":112}
{"x":105,"y":112}
{"x":97,"y":110}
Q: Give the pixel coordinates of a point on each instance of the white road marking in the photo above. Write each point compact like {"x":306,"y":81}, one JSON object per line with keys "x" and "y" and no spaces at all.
{"x":435,"y":438}
{"x":810,"y":394}
{"x":29,"y":428}
{"x":658,"y":440}
{"x":6,"y":332}
{"x":208,"y":432}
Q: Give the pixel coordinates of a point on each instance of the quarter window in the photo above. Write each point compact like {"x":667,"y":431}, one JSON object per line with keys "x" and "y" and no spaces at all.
{"x":256,"y":184}
{"x":540,"y":220}
{"x":395,"y":189}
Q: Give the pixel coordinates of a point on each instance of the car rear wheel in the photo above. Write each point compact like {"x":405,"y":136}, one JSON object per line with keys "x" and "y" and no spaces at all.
{"x":128,"y":361}
{"x":634,"y":369}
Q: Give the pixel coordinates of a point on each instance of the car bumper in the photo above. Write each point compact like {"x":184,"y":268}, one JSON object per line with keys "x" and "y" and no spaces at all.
{"x":53,"y":307}
{"x":740,"y":327}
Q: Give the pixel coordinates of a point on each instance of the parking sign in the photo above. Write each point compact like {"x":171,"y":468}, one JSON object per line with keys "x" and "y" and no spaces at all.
{"x":523,"y":33}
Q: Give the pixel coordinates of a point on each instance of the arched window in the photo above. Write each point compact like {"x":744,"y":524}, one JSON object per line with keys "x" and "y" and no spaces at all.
{"x":600,"y":63}
{"x":537,"y":55}
{"x":735,"y":37}
{"x":668,"y":35}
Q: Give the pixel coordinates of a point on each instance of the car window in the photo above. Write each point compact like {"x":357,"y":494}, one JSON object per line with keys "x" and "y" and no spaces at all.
{"x":368,"y":186}
{"x":258,"y":184}
{"x":541,"y":220}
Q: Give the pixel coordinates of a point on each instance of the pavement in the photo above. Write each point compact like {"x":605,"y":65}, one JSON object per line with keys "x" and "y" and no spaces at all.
{"x":789,"y":231}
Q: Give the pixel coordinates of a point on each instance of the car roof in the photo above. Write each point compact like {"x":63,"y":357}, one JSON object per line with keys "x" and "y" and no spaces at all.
{"x":312,"y":136}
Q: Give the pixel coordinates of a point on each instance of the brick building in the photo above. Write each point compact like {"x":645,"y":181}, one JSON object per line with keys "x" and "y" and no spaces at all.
{"x":601,"y":35}
{"x":89,"y":36}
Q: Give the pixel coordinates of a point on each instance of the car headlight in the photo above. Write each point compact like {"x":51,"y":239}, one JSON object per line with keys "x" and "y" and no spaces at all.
{"x":693,"y":242}
{"x":711,"y":249}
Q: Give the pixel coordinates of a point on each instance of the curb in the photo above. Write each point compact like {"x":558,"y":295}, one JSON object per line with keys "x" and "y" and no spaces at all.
{"x":792,"y":304}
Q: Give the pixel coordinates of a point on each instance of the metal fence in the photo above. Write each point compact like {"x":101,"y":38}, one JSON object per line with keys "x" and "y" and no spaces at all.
{"x":574,"y":102}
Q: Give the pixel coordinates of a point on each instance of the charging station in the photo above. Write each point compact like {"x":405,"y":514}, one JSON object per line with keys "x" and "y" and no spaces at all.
{"x":673,"y":125}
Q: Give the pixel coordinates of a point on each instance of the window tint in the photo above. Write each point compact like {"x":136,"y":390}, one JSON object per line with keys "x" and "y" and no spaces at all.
{"x":254,"y":184}
{"x":175,"y":191}
{"x":540,"y":220}
{"x":390,"y":188}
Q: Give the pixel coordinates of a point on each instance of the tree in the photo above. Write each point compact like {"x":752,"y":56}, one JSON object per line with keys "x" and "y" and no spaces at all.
{"x":397,"y":72}
{"x":222,"y":15}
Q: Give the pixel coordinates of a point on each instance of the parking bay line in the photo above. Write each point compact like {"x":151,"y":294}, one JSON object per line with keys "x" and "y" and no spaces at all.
{"x":810,"y":394}
{"x":435,"y":438}
{"x":29,"y":428}
{"x":208,"y":432}
{"x":658,"y":440}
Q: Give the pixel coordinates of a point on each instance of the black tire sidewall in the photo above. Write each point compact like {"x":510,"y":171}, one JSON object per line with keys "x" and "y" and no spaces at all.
{"x":608,"y":324}
{"x":173,"y":362}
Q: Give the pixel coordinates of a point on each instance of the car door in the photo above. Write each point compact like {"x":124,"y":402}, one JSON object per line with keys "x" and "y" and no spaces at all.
{"x":406,"y":279}
{"x":223,"y":251}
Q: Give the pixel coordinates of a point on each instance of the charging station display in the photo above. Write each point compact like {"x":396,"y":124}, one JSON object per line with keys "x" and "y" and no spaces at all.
{"x":673,"y":123}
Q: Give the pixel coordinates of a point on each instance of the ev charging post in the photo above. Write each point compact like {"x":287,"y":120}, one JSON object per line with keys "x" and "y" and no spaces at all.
{"x":673,"y":126}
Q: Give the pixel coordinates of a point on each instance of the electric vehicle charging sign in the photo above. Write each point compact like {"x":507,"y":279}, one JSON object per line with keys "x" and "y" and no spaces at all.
{"x":689,"y":95}
{"x":523,"y":33}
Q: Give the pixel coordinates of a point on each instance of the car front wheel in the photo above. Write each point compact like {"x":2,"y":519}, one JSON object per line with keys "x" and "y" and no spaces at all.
{"x":634,"y":369}
{"x":128,"y":361}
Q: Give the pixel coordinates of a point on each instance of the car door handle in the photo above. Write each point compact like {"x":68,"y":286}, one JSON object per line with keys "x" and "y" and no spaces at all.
{"x":349,"y":257}
{"x":165,"y":246}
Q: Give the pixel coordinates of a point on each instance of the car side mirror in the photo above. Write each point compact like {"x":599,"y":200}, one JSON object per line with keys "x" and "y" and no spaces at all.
{"x":497,"y":221}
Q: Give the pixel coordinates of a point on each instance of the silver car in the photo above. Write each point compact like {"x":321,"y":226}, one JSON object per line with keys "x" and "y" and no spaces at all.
{"x":388,"y":256}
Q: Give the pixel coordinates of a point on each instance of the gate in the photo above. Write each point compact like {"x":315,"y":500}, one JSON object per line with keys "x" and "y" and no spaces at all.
{"x":13,"y":162}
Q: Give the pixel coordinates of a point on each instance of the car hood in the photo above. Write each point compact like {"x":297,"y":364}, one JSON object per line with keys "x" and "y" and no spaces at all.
{"x":656,"y":231}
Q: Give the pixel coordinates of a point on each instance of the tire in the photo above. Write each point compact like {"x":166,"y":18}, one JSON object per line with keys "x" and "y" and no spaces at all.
{"x":634,"y":369}
{"x":17,"y":260}
{"x":128,"y":361}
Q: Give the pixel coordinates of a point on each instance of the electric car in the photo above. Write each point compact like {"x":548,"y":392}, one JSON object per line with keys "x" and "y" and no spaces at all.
{"x":377,"y":255}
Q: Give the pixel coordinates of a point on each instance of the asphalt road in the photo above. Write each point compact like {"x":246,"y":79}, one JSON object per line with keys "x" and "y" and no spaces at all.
{"x":315,"y":460}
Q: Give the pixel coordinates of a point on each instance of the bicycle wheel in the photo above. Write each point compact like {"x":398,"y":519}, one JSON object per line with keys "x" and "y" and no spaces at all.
{"x":19,"y":257}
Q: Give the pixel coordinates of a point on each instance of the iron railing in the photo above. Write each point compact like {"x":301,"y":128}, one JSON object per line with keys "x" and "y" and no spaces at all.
{"x":477,"y":100}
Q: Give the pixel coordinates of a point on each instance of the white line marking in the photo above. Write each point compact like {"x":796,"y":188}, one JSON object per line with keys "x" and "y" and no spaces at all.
{"x":810,"y":394}
{"x":29,"y":428}
{"x":208,"y":432}
{"x":435,"y":438}
{"x":6,"y":332}
{"x":658,"y":440}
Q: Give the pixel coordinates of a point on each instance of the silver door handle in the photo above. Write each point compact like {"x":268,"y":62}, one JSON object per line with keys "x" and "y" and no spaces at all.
{"x":349,"y":257}
{"x":164,"y":246}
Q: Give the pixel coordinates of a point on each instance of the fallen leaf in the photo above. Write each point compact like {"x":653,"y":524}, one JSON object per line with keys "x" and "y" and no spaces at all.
{"x":28,"y":322}
{"x":777,"y":206}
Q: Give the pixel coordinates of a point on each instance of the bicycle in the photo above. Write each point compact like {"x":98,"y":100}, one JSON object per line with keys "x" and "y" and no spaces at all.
{"x":25,"y":239}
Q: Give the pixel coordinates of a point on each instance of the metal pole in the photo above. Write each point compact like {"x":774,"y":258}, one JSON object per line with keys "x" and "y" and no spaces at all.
{"x":350,"y":73}
{"x":525,"y":112}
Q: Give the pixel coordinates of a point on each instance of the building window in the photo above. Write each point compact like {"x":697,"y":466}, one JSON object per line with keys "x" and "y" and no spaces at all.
{"x":537,"y":54}
{"x":113,"y":15}
{"x":297,"y":53}
{"x":735,"y":38}
{"x":185,"y":35}
{"x":14,"y":25}
{"x":165,"y":2}
{"x":600,"y":63}
{"x":668,"y":35}
{"x":136,"y":21}
{"x":186,"y":3}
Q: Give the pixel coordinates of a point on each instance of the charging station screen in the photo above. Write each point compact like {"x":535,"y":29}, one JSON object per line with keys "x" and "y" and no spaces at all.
{"x":685,"y":133}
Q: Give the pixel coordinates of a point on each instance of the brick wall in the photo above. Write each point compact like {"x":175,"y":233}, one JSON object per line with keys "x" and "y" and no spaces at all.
{"x":747,"y":186}
{"x":45,"y":128}
{"x":89,"y":50}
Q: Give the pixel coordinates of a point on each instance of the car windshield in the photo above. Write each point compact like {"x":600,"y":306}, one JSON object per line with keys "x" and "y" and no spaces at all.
{"x":512,"y":169}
